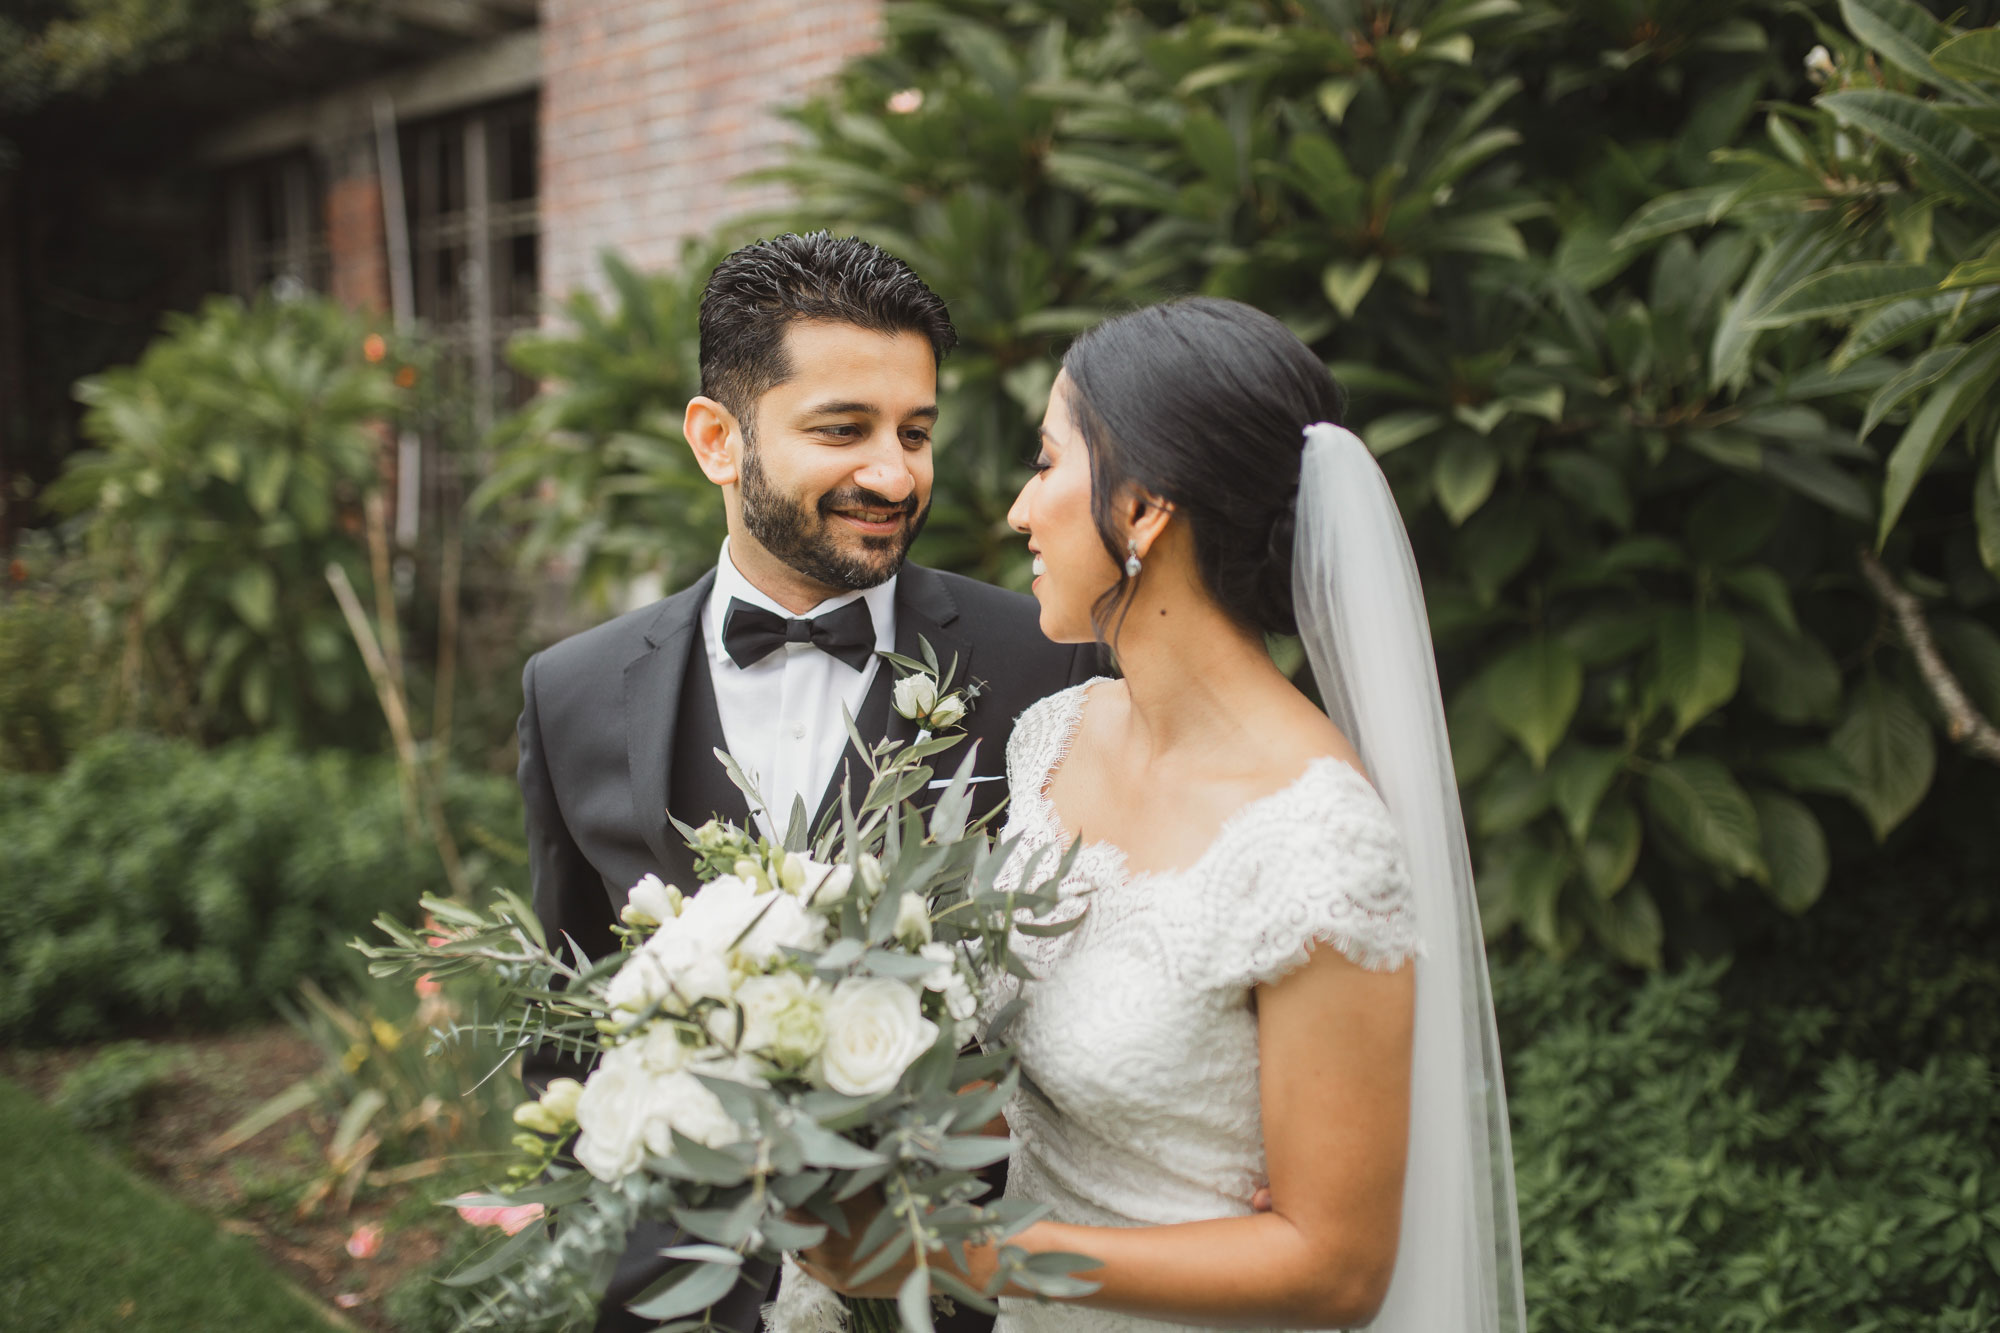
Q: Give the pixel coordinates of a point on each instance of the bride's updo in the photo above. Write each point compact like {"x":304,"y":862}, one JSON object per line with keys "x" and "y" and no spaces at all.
{"x":1203,"y":402}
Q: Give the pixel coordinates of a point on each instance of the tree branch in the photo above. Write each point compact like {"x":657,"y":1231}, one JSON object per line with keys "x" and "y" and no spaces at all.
{"x":1963,"y":722}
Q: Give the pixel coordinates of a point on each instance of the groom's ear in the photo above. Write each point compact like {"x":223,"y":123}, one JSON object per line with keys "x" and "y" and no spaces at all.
{"x":710,"y":428}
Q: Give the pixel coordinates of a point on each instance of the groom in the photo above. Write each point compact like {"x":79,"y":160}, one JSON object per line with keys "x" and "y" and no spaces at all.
{"x":819,"y":361}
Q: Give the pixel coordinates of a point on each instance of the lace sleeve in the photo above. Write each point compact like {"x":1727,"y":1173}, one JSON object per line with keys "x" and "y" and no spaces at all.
{"x":1040,"y":737}
{"x":1325,"y":867}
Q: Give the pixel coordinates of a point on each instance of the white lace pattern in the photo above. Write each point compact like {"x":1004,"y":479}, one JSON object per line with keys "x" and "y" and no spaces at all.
{"x":1138,"y":1041}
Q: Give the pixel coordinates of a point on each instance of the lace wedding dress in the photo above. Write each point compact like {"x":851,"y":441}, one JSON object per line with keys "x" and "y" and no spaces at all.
{"x":1138,"y":1041}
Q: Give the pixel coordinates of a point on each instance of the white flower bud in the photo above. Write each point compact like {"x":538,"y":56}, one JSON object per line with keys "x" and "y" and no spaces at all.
{"x":913,"y":921}
{"x":948,"y":712}
{"x":559,"y":1099}
{"x":650,"y":902}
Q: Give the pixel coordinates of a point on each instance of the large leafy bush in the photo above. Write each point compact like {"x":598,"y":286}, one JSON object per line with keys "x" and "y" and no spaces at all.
{"x":153,"y":883}
{"x":231,"y":467}
{"x":1528,"y":239}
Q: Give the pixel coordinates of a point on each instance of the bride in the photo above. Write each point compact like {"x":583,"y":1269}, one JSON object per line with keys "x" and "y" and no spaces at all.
{"x":1262,"y":1085}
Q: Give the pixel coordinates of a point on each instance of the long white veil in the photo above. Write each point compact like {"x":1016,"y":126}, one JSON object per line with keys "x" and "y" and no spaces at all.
{"x":1361,"y":614}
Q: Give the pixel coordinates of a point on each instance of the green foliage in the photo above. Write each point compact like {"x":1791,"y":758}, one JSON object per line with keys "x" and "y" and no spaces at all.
{"x":1802,"y":1140}
{"x":1530,"y":240}
{"x":109,"y":1092}
{"x":52,"y":47}
{"x":153,"y":883}
{"x":232,"y":465}
{"x":55,"y":672}
{"x":597,"y":462}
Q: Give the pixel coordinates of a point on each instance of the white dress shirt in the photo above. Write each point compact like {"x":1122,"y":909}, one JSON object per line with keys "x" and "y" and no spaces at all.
{"x":781,"y":714}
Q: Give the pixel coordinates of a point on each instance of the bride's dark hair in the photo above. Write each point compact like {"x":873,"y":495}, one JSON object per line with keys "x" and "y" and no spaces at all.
{"x":1203,"y":402}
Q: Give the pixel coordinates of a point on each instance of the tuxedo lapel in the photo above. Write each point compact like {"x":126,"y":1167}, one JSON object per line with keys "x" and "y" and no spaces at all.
{"x":652,"y":705}
{"x":925,"y":613}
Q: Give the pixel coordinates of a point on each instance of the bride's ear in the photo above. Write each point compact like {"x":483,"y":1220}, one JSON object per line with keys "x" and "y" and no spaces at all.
{"x":1146,"y":520}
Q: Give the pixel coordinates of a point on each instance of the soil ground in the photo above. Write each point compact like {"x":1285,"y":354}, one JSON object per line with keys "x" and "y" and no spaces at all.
{"x":253,"y":1190}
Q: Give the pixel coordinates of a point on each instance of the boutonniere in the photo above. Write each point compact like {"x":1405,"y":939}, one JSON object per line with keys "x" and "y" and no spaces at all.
{"x":924,"y":692}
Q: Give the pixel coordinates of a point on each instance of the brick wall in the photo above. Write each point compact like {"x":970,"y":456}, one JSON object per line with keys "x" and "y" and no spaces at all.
{"x":650,"y":109}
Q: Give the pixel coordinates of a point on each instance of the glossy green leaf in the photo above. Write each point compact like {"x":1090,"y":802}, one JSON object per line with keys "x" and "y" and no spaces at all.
{"x":1888,"y":745}
{"x":1789,"y":675}
{"x":1914,"y":378}
{"x":1846,"y":289}
{"x":1794,"y":848}
{"x":254,"y":594}
{"x":1972,"y":652}
{"x":1611,"y":851}
{"x":1581,"y":774}
{"x":1986,"y":511}
{"x":1811,"y":768}
{"x":1904,"y":33}
{"x":1347,"y":283}
{"x":1512,"y":796}
{"x":1973,"y":56}
{"x":1700,"y":661}
{"x":1464,"y":475}
{"x":1532,"y":693}
{"x":1764,"y":588}
{"x":1696,"y":799}
{"x":1949,"y":404}
{"x":1952,"y":156}
{"x":1390,"y":432}
{"x":1629,"y":926}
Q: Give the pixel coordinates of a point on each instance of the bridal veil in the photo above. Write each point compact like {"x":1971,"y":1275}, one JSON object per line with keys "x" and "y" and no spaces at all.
{"x":1360,"y":609}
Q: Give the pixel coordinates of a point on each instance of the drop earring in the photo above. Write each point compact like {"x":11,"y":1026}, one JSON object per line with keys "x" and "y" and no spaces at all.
{"x":1132,"y":558}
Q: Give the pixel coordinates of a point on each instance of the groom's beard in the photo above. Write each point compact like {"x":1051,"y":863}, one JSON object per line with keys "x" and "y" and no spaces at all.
{"x":801,"y":534}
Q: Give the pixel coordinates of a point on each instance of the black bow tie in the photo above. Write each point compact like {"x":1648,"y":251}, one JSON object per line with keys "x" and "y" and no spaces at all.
{"x":750,"y":633}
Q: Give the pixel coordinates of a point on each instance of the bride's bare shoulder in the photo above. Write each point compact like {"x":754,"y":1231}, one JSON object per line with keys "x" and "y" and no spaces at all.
{"x":1301,"y":732}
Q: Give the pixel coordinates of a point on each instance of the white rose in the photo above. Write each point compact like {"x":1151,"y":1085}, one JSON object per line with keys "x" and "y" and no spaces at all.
{"x":642,"y":981}
{"x":874,"y":1030}
{"x":826,"y":886}
{"x":915,"y":696}
{"x":948,"y":712}
{"x":789,"y":870}
{"x":784,"y":924}
{"x":913,"y":920}
{"x":650,"y":902}
{"x":784,"y":1017}
{"x":661,"y":1049}
{"x":680,"y":1102}
{"x":611,"y":1111}
{"x":872,"y":881}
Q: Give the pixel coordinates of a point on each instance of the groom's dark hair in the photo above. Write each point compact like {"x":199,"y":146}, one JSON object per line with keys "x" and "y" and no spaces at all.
{"x":759,"y":291}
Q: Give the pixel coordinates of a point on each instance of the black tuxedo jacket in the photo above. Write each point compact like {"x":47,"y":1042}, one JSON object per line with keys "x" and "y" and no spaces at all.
{"x":617,"y":728}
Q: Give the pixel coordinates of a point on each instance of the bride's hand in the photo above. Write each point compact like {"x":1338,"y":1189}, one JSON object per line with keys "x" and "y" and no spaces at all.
{"x":833,"y":1261}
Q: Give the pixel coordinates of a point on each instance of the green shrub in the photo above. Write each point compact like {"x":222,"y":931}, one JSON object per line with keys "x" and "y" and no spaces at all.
{"x":1800,"y":1140}
{"x":56,"y":668}
{"x":152,"y":882}
{"x":109,"y":1092}
{"x":232,"y":466}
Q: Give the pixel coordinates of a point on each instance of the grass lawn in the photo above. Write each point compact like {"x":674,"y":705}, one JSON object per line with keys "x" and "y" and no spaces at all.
{"x":87,"y":1246}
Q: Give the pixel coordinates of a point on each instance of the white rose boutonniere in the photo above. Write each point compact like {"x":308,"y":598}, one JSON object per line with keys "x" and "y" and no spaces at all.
{"x":925,"y":695}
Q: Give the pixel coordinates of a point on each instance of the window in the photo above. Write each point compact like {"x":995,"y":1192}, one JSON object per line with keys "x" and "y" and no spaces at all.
{"x":274,"y":222}
{"x":470,"y":190}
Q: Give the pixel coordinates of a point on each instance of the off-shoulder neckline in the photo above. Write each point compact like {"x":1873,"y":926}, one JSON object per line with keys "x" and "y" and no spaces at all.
{"x":1109,"y":855}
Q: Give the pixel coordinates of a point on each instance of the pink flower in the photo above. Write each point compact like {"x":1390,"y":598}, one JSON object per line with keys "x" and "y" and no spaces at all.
{"x":347,"y":1300}
{"x":906,"y":101}
{"x":509,"y":1220}
{"x":427,"y":986}
{"x":366,"y":1241}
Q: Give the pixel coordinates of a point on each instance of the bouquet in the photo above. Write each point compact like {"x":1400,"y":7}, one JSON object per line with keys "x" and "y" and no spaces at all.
{"x":796,"y":1032}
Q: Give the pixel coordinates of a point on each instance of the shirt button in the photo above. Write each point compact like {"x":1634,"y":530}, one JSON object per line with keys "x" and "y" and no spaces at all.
{"x":798,"y":733}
